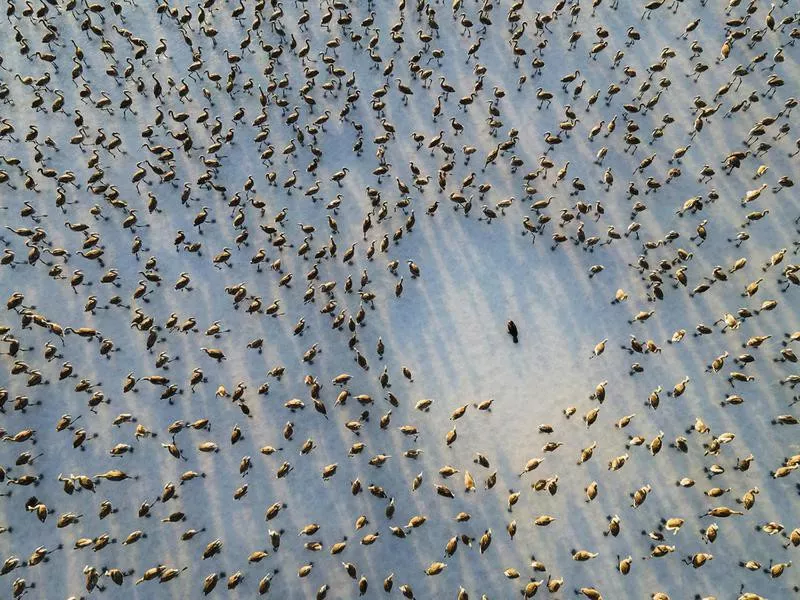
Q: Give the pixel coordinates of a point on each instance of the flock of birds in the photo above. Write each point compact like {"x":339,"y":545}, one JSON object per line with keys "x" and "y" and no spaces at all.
{"x":210,"y":209}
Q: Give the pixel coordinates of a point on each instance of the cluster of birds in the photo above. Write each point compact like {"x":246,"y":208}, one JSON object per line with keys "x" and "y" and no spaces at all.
{"x":212,"y":305}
